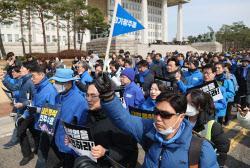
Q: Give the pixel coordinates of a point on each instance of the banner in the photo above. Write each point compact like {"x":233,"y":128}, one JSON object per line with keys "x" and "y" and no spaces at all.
{"x":114,"y":163}
{"x":9,"y":94}
{"x":166,"y":82}
{"x":125,"y":23}
{"x":48,"y":117}
{"x":184,"y":69}
{"x":141,"y":113}
{"x":211,"y":88}
{"x":119,"y":94}
{"x":81,"y":140}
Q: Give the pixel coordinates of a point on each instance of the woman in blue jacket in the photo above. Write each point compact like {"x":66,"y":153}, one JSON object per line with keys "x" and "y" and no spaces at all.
{"x":169,"y":132}
{"x":155,"y":89}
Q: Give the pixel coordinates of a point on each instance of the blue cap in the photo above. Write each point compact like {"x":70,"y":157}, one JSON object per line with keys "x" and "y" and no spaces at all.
{"x":129,"y":72}
{"x":63,"y":75}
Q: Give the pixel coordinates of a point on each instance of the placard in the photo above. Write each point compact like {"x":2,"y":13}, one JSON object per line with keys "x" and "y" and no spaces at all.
{"x":29,"y":97}
{"x":184,"y":69}
{"x":48,"y":117}
{"x":168,"y":83}
{"x":81,"y":140}
{"x":200,"y":69}
{"x":9,"y":94}
{"x":119,"y":94}
{"x":141,"y":113}
{"x":211,"y":88}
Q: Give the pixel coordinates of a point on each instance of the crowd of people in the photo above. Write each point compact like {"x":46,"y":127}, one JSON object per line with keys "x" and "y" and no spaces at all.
{"x":186,"y":129}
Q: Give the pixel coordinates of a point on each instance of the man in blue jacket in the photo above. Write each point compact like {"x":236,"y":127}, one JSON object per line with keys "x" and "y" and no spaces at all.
{"x":133,"y":95}
{"x":209,"y":72}
{"x":193,"y":74}
{"x":227,"y":84}
{"x":74,"y":107}
{"x":169,"y":132}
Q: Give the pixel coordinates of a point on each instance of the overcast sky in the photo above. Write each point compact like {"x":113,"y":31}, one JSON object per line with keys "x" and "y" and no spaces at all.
{"x":198,"y":14}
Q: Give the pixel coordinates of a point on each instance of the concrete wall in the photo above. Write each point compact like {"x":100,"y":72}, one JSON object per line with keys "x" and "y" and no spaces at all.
{"x":208,"y":46}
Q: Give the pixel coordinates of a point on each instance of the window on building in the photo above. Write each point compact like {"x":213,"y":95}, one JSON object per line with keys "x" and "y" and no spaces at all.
{"x":123,"y":5}
{"x":126,"y":5}
{"x":48,"y":38}
{"x":24,"y":38}
{"x":16,"y":37}
{"x":60,"y":38}
{"x":64,"y":38}
{"x":1,"y":25}
{"x":15,"y":25}
{"x":53,"y":38}
{"x":53,"y":27}
{"x":8,"y":26}
{"x":148,"y":33}
{"x":46,"y":26}
{"x":148,"y":40}
{"x":2,"y":36}
{"x":9,"y":37}
{"x":129,"y":6}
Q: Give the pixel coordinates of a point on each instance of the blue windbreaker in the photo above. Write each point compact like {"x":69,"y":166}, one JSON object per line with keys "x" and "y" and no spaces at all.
{"x":72,"y":104}
{"x":176,"y":149}
{"x":236,"y":86}
{"x":25,"y":84}
{"x":44,"y":92}
{"x":220,"y":105}
{"x":149,"y":104}
{"x":133,"y":96}
{"x":85,"y":77}
{"x":193,"y":77}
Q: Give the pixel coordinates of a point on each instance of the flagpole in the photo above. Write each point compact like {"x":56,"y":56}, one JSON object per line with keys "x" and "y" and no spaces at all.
{"x":110,"y":35}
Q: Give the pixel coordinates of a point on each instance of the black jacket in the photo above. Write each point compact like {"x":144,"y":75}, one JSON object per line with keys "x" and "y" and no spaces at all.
{"x":218,"y":136}
{"x":148,"y":79}
{"x":155,"y":69}
{"x":244,"y":85}
{"x":122,"y":148}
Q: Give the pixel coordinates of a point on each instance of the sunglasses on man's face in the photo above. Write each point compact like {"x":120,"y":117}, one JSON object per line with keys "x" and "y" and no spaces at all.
{"x":164,"y":114}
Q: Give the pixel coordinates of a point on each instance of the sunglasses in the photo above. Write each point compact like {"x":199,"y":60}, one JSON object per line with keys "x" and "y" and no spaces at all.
{"x":164,"y":114}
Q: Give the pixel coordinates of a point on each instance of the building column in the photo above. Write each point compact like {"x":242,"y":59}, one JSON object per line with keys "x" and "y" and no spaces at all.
{"x":179,"y":23}
{"x":144,"y":13}
{"x":164,"y":20}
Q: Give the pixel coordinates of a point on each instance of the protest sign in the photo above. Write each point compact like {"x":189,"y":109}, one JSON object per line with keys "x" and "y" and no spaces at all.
{"x":200,"y":68}
{"x":169,"y":84}
{"x":211,"y":88}
{"x":114,"y":163}
{"x":81,"y":140}
{"x":9,"y":94}
{"x":48,"y":117}
{"x":29,"y":97}
{"x":119,"y":94}
{"x":184,"y":69}
{"x":141,"y":113}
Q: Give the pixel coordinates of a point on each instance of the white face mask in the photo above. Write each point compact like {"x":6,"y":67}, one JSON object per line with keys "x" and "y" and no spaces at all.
{"x":169,"y":130}
{"x":191,"y":111}
{"x":59,"y":88}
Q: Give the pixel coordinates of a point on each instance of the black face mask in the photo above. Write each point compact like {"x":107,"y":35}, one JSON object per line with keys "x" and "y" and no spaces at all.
{"x":192,"y":70}
{"x":219,"y":76}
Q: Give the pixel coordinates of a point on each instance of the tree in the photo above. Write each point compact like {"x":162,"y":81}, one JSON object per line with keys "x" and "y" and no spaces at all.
{"x":7,"y":8}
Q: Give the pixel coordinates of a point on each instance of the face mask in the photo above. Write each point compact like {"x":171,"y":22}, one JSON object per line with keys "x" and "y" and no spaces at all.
{"x":191,"y":111}
{"x":169,"y":130}
{"x":59,"y":88}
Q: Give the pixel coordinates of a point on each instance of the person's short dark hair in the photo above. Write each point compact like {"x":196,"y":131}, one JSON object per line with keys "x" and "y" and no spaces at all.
{"x":175,"y":60}
{"x":28,"y":56}
{"x":159,"y":54}
{"x":98,"y":65}
{"x":27,"y":65}
{"x":143,"y":63}
{"x":38,"y":69}
{"x":140,"y":57}
{"x":128,"y":62}
{"x":90,"y":52}
{"x":209,"y":66}
{"x":153,"y":51}
{"x":10,"y":54}
{"x":16,"y":68}
{"x":151,"y":57}
{"x":84,"y":65}
{"x":162,"y":87}
{"x":115,"y":64}
{"x":121,"y":51}
{"x":181,"y":55}
{"x":228,"y":66}
{"x":219,"y":63}
{"x":127,"y":53}
{"x":222,"y":54}
{"x":177,"y":100}
{"x":100,"y":62}
{"x":216,"y":56}
{"x":123,"y":59}
{"x":58,"y":58}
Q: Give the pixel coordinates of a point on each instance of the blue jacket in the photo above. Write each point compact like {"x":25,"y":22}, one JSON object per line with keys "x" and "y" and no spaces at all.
{"x":72,"y":104}
{"x":44,"y":92}
{"x":149,"y":104}
{"x":193,"y":77}
{"x":133,"y":96}
{"x":220,"y":105}
{"x":25,"y":84}
{"x":13,"y":82}
{"x":181,"y":62}
{"x":236,"y":86}
{"x":85,"y":77}
{"x":176,"y":149}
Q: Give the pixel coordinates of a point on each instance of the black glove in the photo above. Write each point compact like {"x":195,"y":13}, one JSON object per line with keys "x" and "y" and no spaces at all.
{"x":75,"y":120}
{"x":31,"y":110}
{"x":104,"y":86}
{"x":20,"y":120}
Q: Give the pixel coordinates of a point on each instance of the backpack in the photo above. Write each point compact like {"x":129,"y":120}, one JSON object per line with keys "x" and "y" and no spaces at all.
{"x":194,"y":149}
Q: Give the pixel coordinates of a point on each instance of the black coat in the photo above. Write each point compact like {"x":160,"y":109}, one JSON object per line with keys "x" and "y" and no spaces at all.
{"x":155,"y":69}
{"x":122,"y":148}
{"x":148,"y":79}
{"x":244,"y":85}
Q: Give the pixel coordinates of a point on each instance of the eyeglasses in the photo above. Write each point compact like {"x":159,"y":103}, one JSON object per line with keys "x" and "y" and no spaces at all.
{"x":90,"y":96}
{"x":164,"y":114}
